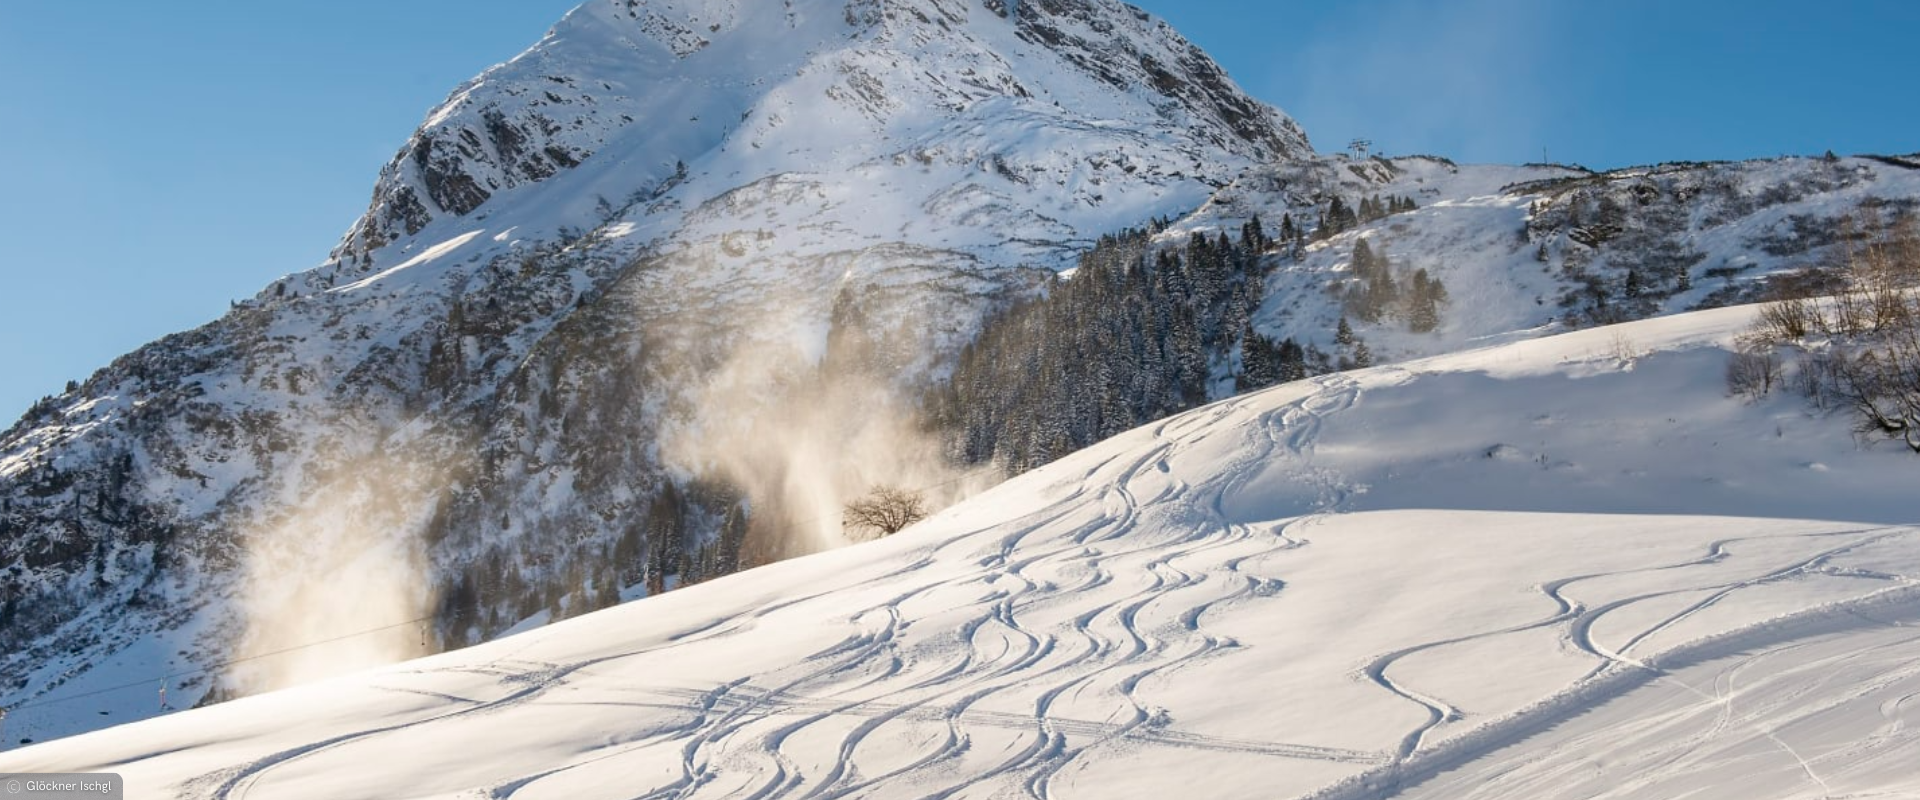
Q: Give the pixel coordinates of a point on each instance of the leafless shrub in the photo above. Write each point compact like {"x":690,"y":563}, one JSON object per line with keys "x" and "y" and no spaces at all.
{"x":1882,"y":385}
{"x":1813,"y":377}
{"x":885,"y":510}
{"x":1624,"y":349}
{"x":1852,"y":315}
{"x":1789,"y":320}
{"x":1882,"y":265}
{"x":1870,"y":360}
{"x":1753,"y":371}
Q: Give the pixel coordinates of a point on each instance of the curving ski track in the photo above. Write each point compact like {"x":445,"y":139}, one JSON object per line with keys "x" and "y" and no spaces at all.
{"x":1007,"y":660}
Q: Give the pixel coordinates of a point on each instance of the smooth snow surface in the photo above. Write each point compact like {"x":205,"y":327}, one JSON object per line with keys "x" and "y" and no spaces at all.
{"x":1255,"y":599}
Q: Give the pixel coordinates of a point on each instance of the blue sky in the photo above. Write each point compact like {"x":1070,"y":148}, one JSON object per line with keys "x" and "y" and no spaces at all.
{"x":166,"y":158}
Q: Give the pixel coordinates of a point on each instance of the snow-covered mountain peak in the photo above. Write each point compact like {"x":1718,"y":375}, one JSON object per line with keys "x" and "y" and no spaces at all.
{"x":643,"y":89}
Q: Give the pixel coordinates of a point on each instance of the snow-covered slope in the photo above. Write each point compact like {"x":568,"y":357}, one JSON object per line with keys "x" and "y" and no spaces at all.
{"x":1527,"y":249}
{"x":667,"y":210}
{"x":466,"y":403}
{"x":1544,"y":569}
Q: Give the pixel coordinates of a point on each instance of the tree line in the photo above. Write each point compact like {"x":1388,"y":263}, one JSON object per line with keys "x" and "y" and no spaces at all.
{"x":1138,"y":332}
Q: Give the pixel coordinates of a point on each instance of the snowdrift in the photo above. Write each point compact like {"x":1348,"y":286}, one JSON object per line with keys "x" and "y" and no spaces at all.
{"x":1566,"y":567}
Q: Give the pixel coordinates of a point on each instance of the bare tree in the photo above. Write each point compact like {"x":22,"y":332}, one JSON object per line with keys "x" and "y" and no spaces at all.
{"x":1883,"y":386}
{"x":1753,"y":371}
{"x":886,"y":509}
{"x":1867,"y":356}
{"x":1791,"y":319}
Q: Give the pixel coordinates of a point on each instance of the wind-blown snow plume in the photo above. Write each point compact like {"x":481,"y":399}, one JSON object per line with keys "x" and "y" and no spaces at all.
{"x":339,"y":585}
{"x":802,"y":435}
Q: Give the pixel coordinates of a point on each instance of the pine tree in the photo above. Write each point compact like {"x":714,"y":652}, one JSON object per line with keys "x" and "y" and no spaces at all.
{"x":1318,"y":363}
{"x":1423,"y":311}
{"x":1340,"y":217}
{"x":1386,"y":291}
{"x":1363,"y":261}
{"x":1226,"y":265}
{"x":628,"y":554}
{"x":1376,"y":295}
{"x":1240,"y":305}
{"x":1343,"y":335}
{"x":1253,"y":236}
{"x":1362,"y":356}
{"x":665,"y":523}
{"x":1292,"y":361}
{"x":606,"y":590}
{"x":1257,"y":365}
{"x":1190,"y":359}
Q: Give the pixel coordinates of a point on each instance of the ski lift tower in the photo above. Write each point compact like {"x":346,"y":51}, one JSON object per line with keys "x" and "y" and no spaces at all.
{"x":1359,"y":147}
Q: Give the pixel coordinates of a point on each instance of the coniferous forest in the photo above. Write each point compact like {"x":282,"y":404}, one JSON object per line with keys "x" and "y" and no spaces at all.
{"x":1136,"y":333}
{"x":1143,"y":329}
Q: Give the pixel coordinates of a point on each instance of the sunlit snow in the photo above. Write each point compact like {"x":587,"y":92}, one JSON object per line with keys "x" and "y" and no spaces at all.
{"x":1389,"y":579}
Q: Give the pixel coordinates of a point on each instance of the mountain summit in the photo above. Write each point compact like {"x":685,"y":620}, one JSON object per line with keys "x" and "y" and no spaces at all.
{"x":1103,"y":109}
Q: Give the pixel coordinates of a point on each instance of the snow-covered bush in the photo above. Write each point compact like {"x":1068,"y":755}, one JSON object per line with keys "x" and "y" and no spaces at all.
{"x":1860,"y":346}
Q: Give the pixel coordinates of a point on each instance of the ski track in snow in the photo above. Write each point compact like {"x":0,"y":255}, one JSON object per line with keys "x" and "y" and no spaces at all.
{"x":1583,"y":732}
{"x":1580,"y":621}
{"x":1106,"y":650}
{"x":1015,"y":657}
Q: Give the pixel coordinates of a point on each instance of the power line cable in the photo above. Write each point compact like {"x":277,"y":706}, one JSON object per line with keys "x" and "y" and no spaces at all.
{"x":211,"y":667}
